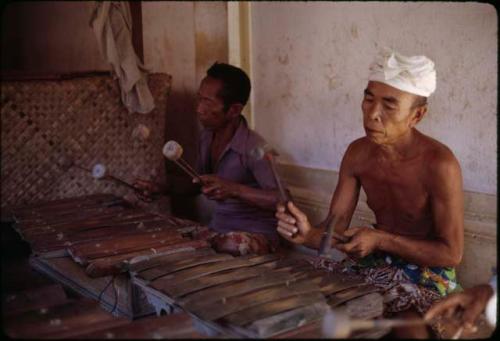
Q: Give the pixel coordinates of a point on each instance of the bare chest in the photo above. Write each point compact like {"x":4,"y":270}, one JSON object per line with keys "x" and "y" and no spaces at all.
{"x":398,"y":194}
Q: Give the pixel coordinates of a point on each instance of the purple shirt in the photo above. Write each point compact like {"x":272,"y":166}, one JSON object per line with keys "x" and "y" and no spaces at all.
{"x":237,"y":164}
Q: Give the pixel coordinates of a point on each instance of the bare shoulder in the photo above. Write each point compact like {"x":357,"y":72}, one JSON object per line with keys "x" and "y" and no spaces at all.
{"x":440,"y":160}
{"x":356,"y":155}
{"x":438,"y":154}
{"x":359,"y":147}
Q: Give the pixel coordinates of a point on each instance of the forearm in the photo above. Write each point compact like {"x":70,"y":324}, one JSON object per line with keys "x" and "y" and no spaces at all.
{"x":265,"y":199}
{"x":314,"y":238}
{"x":418,"y":251}
{"x":317,"y":233}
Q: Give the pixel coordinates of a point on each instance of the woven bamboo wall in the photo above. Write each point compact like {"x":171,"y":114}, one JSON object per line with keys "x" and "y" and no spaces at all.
{"x":48,"y":124}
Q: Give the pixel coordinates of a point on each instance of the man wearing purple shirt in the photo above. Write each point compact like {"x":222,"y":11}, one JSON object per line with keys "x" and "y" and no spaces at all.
{"x":242,"y":185}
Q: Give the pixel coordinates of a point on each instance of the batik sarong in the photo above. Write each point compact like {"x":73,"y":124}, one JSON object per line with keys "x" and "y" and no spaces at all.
{"x":403,"y":285}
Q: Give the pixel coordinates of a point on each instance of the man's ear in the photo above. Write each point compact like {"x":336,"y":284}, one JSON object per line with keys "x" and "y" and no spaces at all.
{"x":234,"y":110}
{"x":417,"y":115}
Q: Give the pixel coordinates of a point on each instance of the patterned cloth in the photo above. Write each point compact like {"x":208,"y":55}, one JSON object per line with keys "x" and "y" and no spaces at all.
{"x":441,"y":279}
{"x":403,"y":285}
{"x":239,"y":243}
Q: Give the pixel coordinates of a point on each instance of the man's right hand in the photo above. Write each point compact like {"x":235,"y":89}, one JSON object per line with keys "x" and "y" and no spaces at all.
{"x":297,"y":225}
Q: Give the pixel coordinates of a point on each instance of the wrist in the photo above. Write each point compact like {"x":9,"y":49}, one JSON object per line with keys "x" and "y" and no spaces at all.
{"x":236,"y":190}
{"x":313,"y":238}
{"x":381,"y":240}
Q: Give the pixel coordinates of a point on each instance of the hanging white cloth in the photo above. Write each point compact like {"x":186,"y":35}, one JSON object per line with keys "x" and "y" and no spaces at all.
{"x":112,"y":24}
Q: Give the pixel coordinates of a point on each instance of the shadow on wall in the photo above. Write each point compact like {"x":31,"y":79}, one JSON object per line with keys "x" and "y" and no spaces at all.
{"x":182,"y":126}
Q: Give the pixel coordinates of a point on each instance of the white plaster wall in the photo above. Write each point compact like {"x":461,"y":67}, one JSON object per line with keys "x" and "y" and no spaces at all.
{"x":183,"y":38}
{"x":211,"y":35}
{"x":310,"y":63}
{"x":168,"y":38}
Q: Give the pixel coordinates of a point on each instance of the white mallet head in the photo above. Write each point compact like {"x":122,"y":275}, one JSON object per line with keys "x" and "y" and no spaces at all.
{"x":98,"y":171}
{"x":141,"y":132}
{"x":491,"y":310}
{"x":172,"y":150}
{"x":336,"y":325}
{"x":259,"y":152}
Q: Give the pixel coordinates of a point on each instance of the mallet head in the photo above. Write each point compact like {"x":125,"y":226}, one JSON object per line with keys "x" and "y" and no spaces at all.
{"x":259,"y":152}
{"x":98,"y":171}
{"x":172,"y":150}
{"x":336,"y":324}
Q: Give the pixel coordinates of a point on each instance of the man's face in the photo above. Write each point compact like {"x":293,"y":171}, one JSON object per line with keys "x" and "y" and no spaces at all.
{"x":209,"y":107}
{"x":388,"y":113}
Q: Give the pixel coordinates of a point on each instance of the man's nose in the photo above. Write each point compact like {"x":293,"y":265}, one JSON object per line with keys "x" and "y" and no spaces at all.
{"x":199,"y":108}
{"x":373,"y":112}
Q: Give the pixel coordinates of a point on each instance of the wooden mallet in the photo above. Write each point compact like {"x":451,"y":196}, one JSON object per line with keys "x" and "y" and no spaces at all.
{"x":326,"y":245}
{"x":99,"y":171}
{"x":337,"y":324}
{"x":173,"y":151}
{"x":268,"y":153}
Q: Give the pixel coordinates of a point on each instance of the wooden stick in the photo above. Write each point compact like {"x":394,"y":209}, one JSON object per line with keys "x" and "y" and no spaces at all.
{"x":283,"y":195}
{"x":388,"y":323}
{"x":329,"y":233}
{"x":173,"y":151}
{"x":338,"y":324}
{"x":269,"y":155}
{"x":458,"y":333}
{"x":126,"y":184}
{"x":109,"y":176}
{"x":188,"y":166}
{"x":187,"y":170}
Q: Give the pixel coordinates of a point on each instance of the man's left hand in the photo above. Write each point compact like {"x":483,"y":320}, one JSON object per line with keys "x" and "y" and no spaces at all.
{"x":216,"y":188}
{"x":363,"y":241}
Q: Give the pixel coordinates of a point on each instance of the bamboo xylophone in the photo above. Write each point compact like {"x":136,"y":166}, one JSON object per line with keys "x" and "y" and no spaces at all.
{"x":100,"y":232}
{"x":247,"y":296}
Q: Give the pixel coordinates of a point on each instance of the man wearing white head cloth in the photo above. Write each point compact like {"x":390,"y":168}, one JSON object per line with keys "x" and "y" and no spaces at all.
{"x":413,"y":185}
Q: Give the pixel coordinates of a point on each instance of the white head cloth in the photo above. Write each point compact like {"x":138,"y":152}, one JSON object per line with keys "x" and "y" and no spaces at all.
{"x":414,"y":74}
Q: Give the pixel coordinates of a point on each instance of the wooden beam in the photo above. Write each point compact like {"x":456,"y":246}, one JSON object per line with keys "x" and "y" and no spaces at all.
{"x":239,"y":45}
{"x":136,"y":12}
